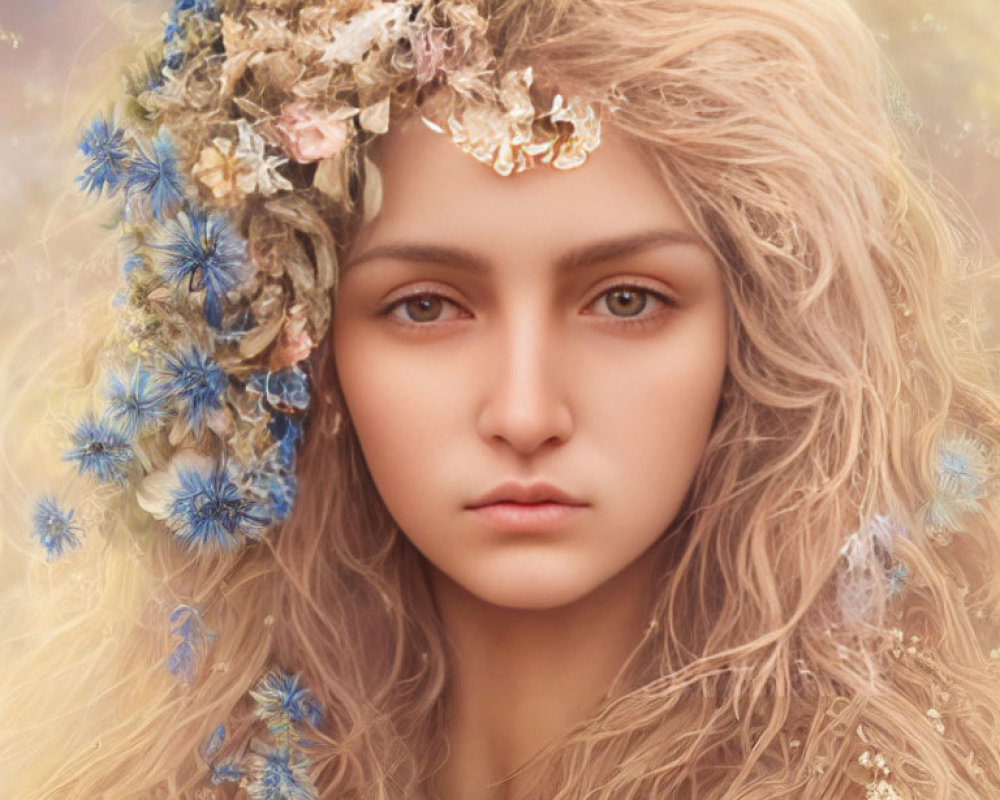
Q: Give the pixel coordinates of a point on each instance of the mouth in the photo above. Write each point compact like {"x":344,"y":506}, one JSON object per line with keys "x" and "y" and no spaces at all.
{"x":527,"y":507}
{"x":527,"y":517}
{"x":530,"y":494}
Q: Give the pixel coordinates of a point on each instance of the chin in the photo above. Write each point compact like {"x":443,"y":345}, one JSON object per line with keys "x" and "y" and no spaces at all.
{"x":527,"y":593}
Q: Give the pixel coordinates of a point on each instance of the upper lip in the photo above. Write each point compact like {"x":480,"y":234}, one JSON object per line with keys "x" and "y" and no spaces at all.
{"x":514,"y":492}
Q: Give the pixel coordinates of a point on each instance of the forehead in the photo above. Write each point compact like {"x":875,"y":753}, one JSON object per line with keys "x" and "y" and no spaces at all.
{"x":432,"y":190}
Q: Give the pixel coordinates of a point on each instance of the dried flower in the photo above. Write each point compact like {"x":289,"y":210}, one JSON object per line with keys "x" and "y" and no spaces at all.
{"x":194,"y":638}
{"x":207,"y":510}
{"x":277,"y":774}
{"x":54,"y":527}
{"x":156,"y":174}
{"x":962,"y":471}
{"x":205,"y":253}
{"x":312,"y":133}
{"x":136,"y":403}
{"x":374,"y":27}
{"x":281,"y":700}
{"x":100,"y":449}
{"x":195,"y":384}
{"x":232,"y":171}
{"x":294,"y":342}
{"x":430,"y":49}
{"x":103,"y":143}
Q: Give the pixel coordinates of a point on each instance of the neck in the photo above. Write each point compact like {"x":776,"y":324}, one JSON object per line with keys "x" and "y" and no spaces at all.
{"x":522,"y":678}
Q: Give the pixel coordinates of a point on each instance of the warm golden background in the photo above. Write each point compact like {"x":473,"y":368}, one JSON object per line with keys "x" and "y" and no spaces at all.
{"x":56,"y":266}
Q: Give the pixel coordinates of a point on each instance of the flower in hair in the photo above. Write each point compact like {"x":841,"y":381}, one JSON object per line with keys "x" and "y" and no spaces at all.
{"x":227,"y":771}
{"x":203,"y":252}
{"x":962,"y":465}
{"x":103,"y":143}
{"x":234,"y":170}
{"x":278,"y":774}
{"x":156,"y":173}
{"x":195,"y":383}
{"x":54,"y":527}
{"x":282,"y":701}
{"x":312,"y":133}
{"x":375,"y":27}
{"x":100,"y":450}
{"x":193,"y":639}
{"x":136,"y":402}
{"x":207,"y":509}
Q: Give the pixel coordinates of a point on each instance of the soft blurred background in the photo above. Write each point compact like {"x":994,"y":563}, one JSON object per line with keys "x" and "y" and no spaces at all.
{"x":56,"y":60}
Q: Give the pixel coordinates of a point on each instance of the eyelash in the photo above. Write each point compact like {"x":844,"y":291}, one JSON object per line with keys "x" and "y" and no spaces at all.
{"x":642,"y":318}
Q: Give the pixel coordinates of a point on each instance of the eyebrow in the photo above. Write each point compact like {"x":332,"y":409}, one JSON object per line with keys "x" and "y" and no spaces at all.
{"x":596,"y":252}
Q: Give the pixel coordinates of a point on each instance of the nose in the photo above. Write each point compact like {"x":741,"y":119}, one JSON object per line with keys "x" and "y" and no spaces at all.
{"x":526,"y":404}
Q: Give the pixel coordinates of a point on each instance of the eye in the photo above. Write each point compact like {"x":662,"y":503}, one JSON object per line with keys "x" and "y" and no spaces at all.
{"x":423,"y":308}
{"x":627,"y":302}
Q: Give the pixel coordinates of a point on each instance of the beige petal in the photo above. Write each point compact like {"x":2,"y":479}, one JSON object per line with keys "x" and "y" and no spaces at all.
{"x":372,"y":197}
{"x":329,"y":178}
{"x":375,"y":118}
{"x":261,"y":337}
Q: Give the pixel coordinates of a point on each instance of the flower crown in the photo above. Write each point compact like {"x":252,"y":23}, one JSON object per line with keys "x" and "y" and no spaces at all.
{"x":245,"y":113}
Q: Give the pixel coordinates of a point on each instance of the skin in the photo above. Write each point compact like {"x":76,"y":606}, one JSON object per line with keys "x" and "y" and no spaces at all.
{"x":566,"y":327}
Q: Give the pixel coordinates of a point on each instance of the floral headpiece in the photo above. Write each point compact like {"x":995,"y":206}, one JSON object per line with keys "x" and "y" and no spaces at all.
{"x":248,"y":115}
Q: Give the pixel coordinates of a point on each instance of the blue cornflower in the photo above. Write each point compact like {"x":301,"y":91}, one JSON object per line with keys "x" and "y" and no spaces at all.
{"x":100,"y":449}
{"x":228,"y":771}
{"x":174,"y":30}
{"x":206,"y":8}
{"x":53,"y":527}
{"x":279,"y":775}
{"x":156,"y":172}
{"x":137,"y":404}
{"x":206,"y":253}
{"x":286,"y":431}
{"x":196,"y":383}
{"x":272,"y":482}
{"x":281,"y":701}
{"x":194,"y":638}
{"x":213,"y":744}
{"x":287,"y":389}
{"x":173,"y":58}
{"x":133,"y":262}
{"x":104,"y":144}
{"x":208,"y":510}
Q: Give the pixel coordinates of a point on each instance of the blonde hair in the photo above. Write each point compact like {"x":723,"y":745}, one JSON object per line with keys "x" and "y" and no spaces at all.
{"x":763,"y":674}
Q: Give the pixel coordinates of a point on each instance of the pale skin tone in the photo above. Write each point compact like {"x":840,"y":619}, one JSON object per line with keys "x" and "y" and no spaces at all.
{"x":532,"y":365}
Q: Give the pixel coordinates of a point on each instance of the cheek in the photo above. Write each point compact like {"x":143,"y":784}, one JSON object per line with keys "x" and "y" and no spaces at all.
{"x":654,"y":420}
{"x":401,"y":406}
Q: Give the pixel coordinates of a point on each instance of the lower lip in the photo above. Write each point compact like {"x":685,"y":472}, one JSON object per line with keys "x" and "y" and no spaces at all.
{"x":527,"y":516}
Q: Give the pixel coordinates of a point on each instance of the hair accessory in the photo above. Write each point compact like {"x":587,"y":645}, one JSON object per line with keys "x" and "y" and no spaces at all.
{"x":232,"y":124}
{"x":963,"y":472}
{"x":271,"y":771}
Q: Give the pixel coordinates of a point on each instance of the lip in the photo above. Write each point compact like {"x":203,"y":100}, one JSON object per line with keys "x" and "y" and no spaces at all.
{"x":527,"y":517}
{"x":526,"y":507}
{"x":526,"y":494}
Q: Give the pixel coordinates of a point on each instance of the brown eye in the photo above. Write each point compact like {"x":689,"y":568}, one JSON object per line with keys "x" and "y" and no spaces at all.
{"x":423,"y":308}
{"x":626,"y":302}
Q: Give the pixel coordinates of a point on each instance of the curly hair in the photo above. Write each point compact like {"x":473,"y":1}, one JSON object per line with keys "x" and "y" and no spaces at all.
{"x":788,"y":655}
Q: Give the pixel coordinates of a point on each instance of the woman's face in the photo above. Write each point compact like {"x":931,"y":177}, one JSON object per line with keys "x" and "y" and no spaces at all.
{"x":532,"y":364}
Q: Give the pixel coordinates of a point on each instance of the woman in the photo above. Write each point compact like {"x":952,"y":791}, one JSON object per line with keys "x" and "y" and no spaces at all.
{"x":647,"y":457}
